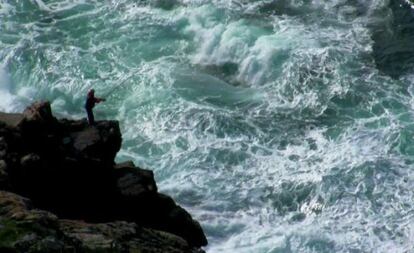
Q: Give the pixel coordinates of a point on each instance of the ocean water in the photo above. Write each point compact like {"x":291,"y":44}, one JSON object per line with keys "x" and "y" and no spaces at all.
{"x":281,"y":125}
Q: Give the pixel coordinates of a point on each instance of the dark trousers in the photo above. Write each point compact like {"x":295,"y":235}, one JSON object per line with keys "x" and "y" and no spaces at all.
{"x":91,"y":118}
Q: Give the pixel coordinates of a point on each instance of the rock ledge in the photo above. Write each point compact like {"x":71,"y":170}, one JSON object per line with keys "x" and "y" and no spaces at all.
{"x":52,"y":168}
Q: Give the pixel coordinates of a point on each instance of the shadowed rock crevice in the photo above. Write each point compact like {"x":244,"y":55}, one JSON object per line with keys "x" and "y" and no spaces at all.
{"x":67,"y":168}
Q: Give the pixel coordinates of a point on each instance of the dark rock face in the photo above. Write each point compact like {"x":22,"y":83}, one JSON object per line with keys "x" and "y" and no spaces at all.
{"x":122,"y":237}
{"x":100,"y":142}
{"x":67,"y":167}
{"x":133,"y":182}
{"x":25,"y":229}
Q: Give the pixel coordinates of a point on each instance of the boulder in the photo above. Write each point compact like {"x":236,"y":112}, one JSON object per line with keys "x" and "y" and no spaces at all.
{"x":38,"y":119}
{"x":140,"y":202}
{"x":132,"y":181}
{"x":11,"y":119}
{"x":122,"y":237}
{"x":30,"y":161}
{"x":24,"y":229}
{"x":39,"y":128}
{"x":181,"y":223}
{"x":39,"y":111}
{"x":13,"y":206}
{"x":101,"y":141}
{"x":170,"y":217}
{"x":98,"y":237}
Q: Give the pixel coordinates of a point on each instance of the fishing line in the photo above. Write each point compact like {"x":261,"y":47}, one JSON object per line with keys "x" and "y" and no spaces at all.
{"x":119,"y":84}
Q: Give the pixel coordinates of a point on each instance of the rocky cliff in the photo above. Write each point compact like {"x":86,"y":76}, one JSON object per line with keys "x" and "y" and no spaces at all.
{"x":62,"y":192}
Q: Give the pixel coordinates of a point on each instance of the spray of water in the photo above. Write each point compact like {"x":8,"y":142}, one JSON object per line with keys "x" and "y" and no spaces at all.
{"x":280,"y":125}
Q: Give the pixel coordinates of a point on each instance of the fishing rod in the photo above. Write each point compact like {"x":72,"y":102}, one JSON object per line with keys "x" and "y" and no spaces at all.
{"x":119,"y":85}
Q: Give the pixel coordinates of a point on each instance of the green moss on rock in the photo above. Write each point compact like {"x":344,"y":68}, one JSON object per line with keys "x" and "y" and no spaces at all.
{"x":10,"y":232}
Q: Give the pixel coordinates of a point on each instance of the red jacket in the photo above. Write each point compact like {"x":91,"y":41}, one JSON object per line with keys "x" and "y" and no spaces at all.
{"x":91,"y":100}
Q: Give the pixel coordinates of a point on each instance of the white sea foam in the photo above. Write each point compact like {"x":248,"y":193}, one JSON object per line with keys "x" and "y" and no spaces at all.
{"x":42,"y":5}
{"x":304,"y":147}
{"x":8,"y":101}
{"x":5,"y":8}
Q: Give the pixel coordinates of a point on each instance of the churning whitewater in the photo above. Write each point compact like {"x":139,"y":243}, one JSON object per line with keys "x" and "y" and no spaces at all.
{"x":281,"y":125}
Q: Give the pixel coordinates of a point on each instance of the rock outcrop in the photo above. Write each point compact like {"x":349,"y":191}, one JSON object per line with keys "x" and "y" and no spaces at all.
{"x":66,"y":168}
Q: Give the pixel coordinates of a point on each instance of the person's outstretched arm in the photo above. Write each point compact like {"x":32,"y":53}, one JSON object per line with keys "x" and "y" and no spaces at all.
{"x":98,"y":100}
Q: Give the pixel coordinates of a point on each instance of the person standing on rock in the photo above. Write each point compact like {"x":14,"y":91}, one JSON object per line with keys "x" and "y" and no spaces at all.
{"x":91,"y":100}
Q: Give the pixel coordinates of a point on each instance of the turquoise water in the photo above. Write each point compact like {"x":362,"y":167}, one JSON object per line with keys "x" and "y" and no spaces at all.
{"x":281,"y":125}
